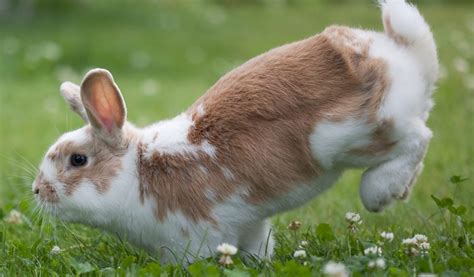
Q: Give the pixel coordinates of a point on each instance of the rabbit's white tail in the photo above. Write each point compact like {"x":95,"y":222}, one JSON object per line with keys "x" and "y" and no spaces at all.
{"x":404,"y":24}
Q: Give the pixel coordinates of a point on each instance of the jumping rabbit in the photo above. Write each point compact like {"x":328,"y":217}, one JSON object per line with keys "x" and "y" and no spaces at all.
{"x":269,"y":136}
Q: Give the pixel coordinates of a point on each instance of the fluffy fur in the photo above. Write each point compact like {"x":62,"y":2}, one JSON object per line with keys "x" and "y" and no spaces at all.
{"x":267,"y":137}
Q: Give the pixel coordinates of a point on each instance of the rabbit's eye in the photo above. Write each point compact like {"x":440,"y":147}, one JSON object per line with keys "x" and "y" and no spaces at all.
{"x":78,"y":160}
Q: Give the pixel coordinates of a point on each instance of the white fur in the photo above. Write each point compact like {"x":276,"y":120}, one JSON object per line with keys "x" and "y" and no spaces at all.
{"x":331,"y":140}
{"x":407,"y":22}
{"x":407,"y":103}
{"x":69,"y":87}
{"x":79,"y":136}
{"x":172,"y":138}
{"x":406,"y":95}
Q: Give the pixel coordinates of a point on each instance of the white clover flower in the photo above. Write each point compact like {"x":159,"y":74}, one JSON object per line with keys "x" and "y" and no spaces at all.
{"x":14,"y":217}
{"x":409,"y":241}
{"x":371,"y":264}
{"x":416,"y":244}
{"x":353,"y":217}
{"x":425,"y":246}
{"x":380,"y":263}
{"x":225,"y":260}
{"x":413,"y":251}
{"x":427,"y":275}
{"x":303,"y":243}
{"x":375,"y":250}
{"x":333,"y":269}
{"x":420,"y":238}
{"x":227,"y":249}
{"x":55,"y":250}
{"x":300,"y":254}
{"x":387,"y":236}
{"x":294,"y":225}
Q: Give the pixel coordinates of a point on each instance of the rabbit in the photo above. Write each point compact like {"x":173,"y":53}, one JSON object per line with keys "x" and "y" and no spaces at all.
{"x":267,"y":137}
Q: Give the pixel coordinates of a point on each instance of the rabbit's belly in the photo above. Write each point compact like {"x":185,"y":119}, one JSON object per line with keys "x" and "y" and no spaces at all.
{"x":237,"y":210}
{"x":300,"y":195}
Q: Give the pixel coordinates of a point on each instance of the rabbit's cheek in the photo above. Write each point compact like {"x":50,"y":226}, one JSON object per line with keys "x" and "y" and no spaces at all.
{"x":70,"y":182}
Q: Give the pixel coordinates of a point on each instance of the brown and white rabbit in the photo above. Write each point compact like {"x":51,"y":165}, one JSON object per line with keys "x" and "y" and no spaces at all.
{"x":267,"y":137}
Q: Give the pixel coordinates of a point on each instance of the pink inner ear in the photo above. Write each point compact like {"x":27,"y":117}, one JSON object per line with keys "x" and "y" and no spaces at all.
{"x":105,"y":110}
{"x":102,"y":106}
{"x":103,"y":101}
{"x":107,"y":122}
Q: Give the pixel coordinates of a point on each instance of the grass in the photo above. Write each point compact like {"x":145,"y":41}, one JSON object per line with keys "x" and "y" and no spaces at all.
{"x":164,"y":56}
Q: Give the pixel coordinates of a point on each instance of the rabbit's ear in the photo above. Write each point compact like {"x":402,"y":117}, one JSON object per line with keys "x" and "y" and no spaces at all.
{"x":103,"y":103}
{"x":72,"y":94}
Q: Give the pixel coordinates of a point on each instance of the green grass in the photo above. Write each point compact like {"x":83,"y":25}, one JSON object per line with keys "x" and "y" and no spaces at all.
{"x":183,"y":49}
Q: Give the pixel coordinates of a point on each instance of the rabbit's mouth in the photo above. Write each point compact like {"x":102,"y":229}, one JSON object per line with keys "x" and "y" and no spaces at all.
{"x":47,"y":194}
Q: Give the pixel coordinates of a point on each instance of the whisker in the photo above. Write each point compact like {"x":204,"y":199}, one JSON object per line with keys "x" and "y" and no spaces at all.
{"x":36,"y":215}
{"x":58,"y":132}
{"x":16,"y":163}
{"x":28,"y":163}
{"x":26,"y":167}
{"x":12,"y":176}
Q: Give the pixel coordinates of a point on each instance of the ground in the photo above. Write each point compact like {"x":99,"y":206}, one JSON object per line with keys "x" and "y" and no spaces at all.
{"x":164,"y":56}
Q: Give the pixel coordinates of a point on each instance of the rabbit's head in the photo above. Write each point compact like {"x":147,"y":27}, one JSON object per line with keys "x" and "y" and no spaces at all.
{"x":84,"y":170}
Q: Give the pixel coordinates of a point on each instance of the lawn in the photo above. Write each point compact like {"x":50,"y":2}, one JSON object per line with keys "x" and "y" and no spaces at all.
{"x":166,"y":54}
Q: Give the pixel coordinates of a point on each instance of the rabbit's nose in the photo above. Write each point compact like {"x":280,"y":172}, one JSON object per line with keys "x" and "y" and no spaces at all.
{"x":36,"y":188}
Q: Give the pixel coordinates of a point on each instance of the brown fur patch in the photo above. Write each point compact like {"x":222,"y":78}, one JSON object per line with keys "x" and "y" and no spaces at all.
{"x":381,"y":143}
{"x":260,"y":116}
{"x":57,"y":152}
{"x":177,"y":182}
{"x":370,"y":72}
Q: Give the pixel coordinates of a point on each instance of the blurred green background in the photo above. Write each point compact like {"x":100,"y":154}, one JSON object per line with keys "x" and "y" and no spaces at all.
{"x":165,"y":54}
